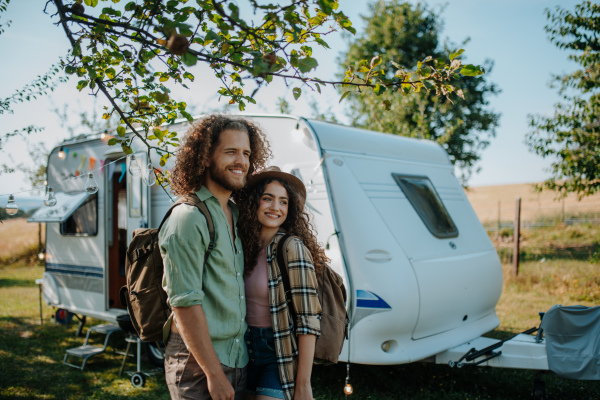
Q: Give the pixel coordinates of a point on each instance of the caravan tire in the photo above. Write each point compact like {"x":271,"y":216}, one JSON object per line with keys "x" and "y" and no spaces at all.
{"x":138,"y":380}
{"x":155,"y":354}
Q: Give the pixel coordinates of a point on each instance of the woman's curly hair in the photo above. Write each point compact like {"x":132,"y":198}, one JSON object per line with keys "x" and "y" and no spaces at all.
{"x":297,"y":223}
{"x":189,"y":172}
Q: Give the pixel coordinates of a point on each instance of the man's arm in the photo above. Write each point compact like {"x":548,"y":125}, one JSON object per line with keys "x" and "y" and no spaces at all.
{"x":193,"y":328}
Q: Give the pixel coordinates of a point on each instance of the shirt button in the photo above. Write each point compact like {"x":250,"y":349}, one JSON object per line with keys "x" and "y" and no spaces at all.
{"x":241,"y":297}
{"x":238,"y":274}
{"x":237,"y":340}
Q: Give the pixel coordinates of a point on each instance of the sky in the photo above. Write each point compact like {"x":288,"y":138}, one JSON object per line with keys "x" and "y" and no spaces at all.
{"x":509,"y":32}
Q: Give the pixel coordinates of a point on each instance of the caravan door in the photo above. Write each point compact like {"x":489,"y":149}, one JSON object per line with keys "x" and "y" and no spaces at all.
{"x":137,"y":195}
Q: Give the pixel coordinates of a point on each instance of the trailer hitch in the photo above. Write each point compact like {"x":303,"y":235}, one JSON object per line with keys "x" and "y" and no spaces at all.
{"x":474,"y":354}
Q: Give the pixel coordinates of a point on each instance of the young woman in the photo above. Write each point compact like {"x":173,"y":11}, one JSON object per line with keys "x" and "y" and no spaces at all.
{"x":281,"y":350}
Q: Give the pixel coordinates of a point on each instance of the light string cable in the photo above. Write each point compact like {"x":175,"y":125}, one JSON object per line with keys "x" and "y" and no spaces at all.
{"x":91,"y":186}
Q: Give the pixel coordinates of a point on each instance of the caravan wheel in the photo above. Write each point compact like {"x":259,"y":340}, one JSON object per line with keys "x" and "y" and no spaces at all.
{"x":155,"y":353}
{"x":138,"y":380}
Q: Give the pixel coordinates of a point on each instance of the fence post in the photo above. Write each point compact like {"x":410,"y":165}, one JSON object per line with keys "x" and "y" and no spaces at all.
{"x":499,"y":217}
{"x":516,"y":235}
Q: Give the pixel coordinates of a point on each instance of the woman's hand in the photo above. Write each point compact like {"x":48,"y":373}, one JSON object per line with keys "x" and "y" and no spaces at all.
{"x":303,"y":391}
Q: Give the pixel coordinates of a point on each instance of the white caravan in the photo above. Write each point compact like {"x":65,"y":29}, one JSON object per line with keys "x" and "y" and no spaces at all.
{"x":422,"y":276}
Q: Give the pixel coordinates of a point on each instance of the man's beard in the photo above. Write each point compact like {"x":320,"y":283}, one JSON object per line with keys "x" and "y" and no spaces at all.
{"x":220,"y":177}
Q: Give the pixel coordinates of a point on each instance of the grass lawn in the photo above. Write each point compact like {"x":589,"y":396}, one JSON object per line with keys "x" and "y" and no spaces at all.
{"x":31,"y":354}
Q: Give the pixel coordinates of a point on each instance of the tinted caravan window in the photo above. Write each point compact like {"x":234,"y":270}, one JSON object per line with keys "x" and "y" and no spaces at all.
{"x":422,"y":196}
{"x":84,"y":220}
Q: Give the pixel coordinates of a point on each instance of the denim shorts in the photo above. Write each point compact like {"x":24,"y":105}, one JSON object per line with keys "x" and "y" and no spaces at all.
{"x":263,"y":374}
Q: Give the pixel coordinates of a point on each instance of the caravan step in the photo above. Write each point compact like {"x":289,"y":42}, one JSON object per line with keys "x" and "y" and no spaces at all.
{"x":86,"y":350}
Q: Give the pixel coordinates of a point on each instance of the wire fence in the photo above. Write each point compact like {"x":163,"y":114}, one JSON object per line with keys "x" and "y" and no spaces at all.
{"x":550,"y":228}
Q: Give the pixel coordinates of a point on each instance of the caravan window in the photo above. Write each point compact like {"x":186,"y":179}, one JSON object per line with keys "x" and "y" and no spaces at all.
{"x":422,"y":196}
{"x":84,"y":220}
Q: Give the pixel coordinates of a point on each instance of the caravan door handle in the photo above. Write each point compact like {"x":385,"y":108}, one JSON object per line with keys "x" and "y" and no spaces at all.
{"x":378,"y":256}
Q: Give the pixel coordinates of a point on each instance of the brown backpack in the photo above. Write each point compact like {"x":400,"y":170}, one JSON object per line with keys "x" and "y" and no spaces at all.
{"x":144,"y":295}
{"x":332,"y":296}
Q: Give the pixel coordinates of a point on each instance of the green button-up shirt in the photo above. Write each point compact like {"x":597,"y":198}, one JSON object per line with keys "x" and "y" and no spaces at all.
{"x":217,"y":285}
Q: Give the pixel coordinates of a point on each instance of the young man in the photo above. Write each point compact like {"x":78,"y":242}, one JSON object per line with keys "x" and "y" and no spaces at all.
{"x":206,"y":353}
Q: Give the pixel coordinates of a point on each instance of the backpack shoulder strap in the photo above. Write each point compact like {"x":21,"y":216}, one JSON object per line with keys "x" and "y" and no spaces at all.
{"x":192,"y":199}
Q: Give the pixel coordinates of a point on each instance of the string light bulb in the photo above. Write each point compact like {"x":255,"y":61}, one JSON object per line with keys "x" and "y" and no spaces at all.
{"x":149,"y":177}
{"x":61,"y":153}
{"x":11,"y":206}
{"x":50,"y":198}
{"x":103,"y":135}
{"x":348,"y":389}
{"x":41,"y":255}
{"x":91,"y":186}
{"x":134,"y":166}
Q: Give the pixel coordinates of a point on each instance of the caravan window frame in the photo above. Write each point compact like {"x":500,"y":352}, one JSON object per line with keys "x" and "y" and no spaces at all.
{"x":63,"y":225}
{"x":417,"y":201}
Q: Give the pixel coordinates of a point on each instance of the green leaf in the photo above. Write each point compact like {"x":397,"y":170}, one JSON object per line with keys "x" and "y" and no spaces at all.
{"x":458,"y":53}
{"x":211,"y":37}
{"x":187,"y":116}
{"x":327,"y":6}
{"x":121,"y":130}
{"x":322,"y":43}
{"x":112,"y":141}
{"x":126,"y":149}
{"x":344,"y":95}
{"x":162,"y":98}
{"x":379,"y":89}
{"x":387,"y":105}
{"x":297,"y":92}
{"x":110,"y":73}
{"x":81,"y":85}
{"x":306,"y":64}
{"x":91,"y":3}
{"x":375,"y":61}
{"x":189,"y":59}
{"x":472,"y":70}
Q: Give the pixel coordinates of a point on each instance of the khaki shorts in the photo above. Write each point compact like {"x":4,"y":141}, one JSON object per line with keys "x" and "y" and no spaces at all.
{"x":185,"y":378}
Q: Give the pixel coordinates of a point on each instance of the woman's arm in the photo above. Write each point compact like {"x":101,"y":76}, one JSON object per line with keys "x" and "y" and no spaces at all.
{"x":306,"y":352}
{"x":307,"y":308}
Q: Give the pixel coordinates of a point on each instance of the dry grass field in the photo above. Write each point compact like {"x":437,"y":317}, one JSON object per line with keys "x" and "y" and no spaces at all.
{"x":17,"y":234}
{"x":491,"y":202}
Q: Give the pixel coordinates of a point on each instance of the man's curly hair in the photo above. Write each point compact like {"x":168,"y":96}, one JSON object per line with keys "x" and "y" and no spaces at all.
{"x":189,"y":172}
{"x":297,"y":223}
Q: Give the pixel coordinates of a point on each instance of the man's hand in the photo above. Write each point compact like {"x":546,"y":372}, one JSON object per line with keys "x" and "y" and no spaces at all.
{"x":220,"y":388}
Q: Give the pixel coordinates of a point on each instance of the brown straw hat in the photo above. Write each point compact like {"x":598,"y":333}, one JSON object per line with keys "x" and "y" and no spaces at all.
{"x":276,"y":173}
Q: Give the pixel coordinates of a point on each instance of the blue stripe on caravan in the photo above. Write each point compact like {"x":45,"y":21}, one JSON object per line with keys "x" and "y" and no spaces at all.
{"x":366,"y":299}
{"x":80,"y":270}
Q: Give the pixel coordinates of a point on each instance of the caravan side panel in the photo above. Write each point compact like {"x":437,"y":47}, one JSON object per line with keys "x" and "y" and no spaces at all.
{"x":77,"y":261}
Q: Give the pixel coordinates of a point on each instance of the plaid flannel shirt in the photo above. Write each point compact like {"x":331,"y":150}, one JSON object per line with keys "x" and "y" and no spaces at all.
{"x":303,"y":283}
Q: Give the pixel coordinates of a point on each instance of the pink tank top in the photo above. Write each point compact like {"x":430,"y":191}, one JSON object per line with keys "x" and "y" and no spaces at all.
{"x":257,"y":294}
